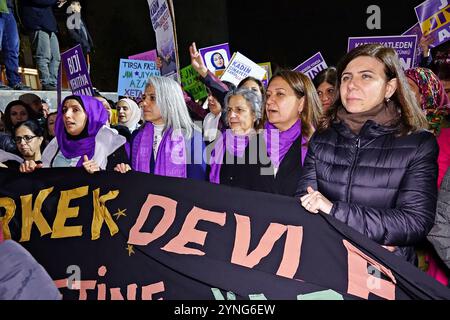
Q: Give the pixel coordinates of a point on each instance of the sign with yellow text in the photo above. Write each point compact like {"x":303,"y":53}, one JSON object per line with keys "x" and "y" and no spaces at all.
{"x":139,"y":236}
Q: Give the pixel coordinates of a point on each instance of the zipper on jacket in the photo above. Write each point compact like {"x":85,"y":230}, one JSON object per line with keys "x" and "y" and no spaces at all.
{"x":353,"y":167}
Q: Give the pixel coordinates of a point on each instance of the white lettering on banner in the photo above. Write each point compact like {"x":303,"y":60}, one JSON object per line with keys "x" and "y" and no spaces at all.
{"x":443,"y":34}
{"x":444,"y":3}
{"x":406,"y":63}
{"x":314,"y":71}
{"x":79,"y":81}
{"x":74,"y":63}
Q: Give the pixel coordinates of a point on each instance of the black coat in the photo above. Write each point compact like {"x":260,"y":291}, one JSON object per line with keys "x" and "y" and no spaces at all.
{"x":79,"y":37}
{"x":260,"y":176}
{"x":381,"y":184}
{"x":38,"y":15}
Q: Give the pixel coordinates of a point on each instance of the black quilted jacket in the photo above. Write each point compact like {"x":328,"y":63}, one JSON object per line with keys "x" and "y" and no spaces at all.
{"x":381,"y":184}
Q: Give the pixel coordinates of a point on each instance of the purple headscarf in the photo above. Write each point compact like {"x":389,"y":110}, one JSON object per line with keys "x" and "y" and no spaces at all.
{"x":97,"y":117}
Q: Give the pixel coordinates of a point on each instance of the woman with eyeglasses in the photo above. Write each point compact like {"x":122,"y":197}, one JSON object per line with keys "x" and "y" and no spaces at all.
{"x":29,"y":138}
{"x":168,"y":144}
{"x":83,"y":138}
{"x":15,"y":112}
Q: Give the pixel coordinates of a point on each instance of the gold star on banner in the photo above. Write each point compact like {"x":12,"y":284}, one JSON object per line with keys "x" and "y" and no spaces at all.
{"x":120,"y":213}
{"x":130,"y":250}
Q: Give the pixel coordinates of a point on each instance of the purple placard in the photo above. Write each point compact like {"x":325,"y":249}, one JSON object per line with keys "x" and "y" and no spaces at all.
{"x":415,"y":30}
{"x":216,"y":57}
{"x":404,"y":45}
{"x":434,"y":19}
{"x":76,"y":70}
{"x":144,"y":56}
{"x":312,"y":66}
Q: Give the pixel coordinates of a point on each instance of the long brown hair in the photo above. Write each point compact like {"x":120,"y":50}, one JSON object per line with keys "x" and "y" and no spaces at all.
{"x":303,"y":87}
{"x":412,"y":117}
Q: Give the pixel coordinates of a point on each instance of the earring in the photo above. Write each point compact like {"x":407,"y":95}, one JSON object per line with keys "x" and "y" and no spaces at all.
{"x":387,"y":99}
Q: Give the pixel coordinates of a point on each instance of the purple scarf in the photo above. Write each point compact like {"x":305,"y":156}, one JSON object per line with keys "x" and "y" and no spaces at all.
{"x":96,"y":119}
{"x":235,"y":145}
{"x":280,"y":142}
{"x":170,"y":159}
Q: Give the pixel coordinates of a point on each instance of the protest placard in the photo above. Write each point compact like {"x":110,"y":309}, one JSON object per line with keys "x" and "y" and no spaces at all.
{"x":216,"y":57}
{"x":268,"y":67}
{"x":191,"y":83}
{"x":312,"y":66}
{"x":76,"y":70}
{"x":404,"y":45}
{"x":434,"y":20}
{"x":133,"y":75}
{"x":146,"y":56}
{"x":241,"y":67}
{"x":166,"y":46}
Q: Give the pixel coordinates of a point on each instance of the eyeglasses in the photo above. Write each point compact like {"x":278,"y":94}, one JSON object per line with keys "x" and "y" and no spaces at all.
{"x":27,"y":139}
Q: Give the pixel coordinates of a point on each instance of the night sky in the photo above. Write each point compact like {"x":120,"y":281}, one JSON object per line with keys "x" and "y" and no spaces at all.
{"x":282,"y":32}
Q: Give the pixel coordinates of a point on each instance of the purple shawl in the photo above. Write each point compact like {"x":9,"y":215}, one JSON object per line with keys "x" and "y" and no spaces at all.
{"x":97,"y":117}
{"x":280,"y":142}
{"x":170,"y":159}
{"x":235,"y":145}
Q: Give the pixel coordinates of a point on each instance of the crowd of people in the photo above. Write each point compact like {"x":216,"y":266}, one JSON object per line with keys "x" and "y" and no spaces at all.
{"x":365,"y":142}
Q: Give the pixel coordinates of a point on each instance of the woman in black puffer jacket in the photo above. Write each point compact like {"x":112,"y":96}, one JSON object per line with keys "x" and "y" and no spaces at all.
{"x":372,"y":164}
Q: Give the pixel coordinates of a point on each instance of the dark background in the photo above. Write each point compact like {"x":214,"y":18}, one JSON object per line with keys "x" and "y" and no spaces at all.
{"x":279,"y":31}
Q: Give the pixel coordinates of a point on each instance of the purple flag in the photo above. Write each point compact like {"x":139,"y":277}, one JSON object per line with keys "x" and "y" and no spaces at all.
{"x":76,"y":70}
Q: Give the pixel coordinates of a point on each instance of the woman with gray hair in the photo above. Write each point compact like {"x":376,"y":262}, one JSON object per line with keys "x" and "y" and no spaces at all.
{"x":164,"y":145}
{"x":237,"y":149}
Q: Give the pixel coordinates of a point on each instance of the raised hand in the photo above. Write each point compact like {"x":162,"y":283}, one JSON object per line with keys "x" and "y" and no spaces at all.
{"x":197,"y":61}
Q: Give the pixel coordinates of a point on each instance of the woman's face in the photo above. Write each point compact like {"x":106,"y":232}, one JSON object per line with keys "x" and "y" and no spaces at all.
{"x":18,"y":114}
{"x":28,"y":143}
{"x":282,"y":104}
{"x":364,"y":84}
{"x":74,"y":117}
{"x":214,"y":105}
{"x":326,"y":94}
{"x":124,"y":112}
{"x":240,"y":116}
{"x":252,"y":85}
{"x":51,"y":124}
{"x":152,"y":112}
{"x":218,"y":60}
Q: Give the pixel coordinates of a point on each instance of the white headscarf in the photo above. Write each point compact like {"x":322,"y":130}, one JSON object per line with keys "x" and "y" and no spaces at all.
{"x":132,"y":123}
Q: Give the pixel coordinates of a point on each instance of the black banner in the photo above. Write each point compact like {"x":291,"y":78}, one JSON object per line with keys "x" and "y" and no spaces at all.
{"x":136,"y":236}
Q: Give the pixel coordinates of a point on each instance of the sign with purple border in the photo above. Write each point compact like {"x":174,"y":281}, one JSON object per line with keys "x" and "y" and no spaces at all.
{"x":145,"y":56}
{"x":434,"y":19}
{"x":76,"y":70}
{"x":312,"y":66}
{"x":404,"y":45}
{"x":415,"y":30}
{"x":216,"y":57}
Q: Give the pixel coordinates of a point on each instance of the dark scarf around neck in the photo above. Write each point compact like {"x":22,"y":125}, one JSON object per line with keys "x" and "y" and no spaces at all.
{"x":385,"y":114}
